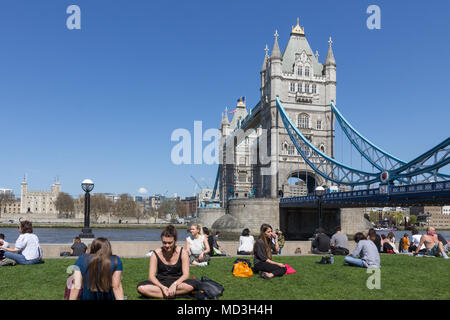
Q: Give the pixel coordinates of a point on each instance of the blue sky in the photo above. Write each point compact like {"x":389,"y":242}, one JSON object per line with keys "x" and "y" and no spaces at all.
{"x":102,"y":102}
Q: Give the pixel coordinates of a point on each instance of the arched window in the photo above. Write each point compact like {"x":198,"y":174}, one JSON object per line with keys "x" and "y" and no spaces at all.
{"x":303,"y":121}
{"x":306,"y":87}
{"x":299,"y":87}
{"x":314,"y":88}
{"x":300,"y":70}
{"x":285,"y":148}
{"x":307,"y":71}
{"x":322,"y":148}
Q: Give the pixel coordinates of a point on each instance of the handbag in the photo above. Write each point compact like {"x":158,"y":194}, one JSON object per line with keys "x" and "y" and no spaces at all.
{"x":289,"y":269}
{"x":241,"y":269}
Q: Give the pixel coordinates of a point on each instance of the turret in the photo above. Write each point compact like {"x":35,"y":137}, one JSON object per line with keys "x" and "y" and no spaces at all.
{"x":330,"y":74}
{"x":276,"y":61}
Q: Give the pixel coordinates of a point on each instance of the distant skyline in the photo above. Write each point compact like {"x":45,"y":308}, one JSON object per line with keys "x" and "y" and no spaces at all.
{"x":103,"y":101}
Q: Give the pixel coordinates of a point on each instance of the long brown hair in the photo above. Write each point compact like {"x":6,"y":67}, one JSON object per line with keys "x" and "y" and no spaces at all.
{"x":99,"y":267}
{"x":263,"y":237}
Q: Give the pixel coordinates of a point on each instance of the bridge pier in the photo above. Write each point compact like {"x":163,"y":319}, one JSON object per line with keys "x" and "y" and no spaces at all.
{"x":352,"y":220}
{"x":298,"y":223}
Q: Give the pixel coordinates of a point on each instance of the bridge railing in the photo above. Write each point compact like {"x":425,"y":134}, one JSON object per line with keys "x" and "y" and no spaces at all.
{"x":441,"y":187}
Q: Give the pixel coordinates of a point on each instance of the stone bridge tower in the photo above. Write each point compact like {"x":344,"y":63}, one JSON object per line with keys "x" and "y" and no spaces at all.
{"x":306,"y":88}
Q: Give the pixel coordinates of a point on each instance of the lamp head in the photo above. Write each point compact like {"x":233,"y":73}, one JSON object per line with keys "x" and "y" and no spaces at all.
{"x":320,"y":191}
{"x":87,"y":185}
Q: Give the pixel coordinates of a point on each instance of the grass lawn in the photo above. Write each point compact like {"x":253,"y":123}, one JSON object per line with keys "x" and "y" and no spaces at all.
{"x":402,"y":277}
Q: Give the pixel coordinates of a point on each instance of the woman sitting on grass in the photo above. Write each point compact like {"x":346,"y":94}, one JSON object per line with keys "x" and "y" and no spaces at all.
{"x":27,"y":249}
{"x":197,"y":247}
{"x":98,"y":274}
{"x":246,"y":243}
{"x":263,"y":263}
{"x":169,"y":269}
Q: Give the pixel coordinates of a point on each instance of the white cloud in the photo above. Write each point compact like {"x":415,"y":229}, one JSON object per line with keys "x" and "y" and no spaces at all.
{"x":143,"y":191}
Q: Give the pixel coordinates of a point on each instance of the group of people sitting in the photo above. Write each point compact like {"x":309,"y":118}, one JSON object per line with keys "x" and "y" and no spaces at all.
{"x":98,"y":274}
{"x":371,"y":244}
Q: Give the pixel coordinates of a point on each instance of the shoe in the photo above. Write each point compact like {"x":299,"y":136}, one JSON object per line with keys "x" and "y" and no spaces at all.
{"x":203,"y":264}
{"x":264,"y":275}
{"x":324,"y":260}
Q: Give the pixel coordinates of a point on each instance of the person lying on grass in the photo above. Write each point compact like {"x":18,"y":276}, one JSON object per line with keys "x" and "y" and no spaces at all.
{"x":168,"y":269}
{"x":263,"y":263}
{"x":367,"y":252}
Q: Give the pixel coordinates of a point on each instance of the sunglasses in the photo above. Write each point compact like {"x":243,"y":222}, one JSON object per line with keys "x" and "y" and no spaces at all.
{"x":167,"y":242}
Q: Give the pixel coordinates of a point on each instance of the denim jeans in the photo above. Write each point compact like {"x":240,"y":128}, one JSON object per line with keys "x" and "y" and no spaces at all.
{"x":20,"y":259}
{"x":354,"y":261}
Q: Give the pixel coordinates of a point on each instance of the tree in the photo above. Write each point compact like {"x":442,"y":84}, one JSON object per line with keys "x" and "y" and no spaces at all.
{"x":373,"y":216}
{"x":65,"y":205}
{"x":125,"y":206}
{"x":100,"y":205}
{"x":412,"y":220}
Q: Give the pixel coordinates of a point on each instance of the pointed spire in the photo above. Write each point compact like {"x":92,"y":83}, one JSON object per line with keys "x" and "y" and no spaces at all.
{"x":266,"y":58}
{"x":330,"y":56}
{"x":276,"y":49}
{"x":225,"y":120}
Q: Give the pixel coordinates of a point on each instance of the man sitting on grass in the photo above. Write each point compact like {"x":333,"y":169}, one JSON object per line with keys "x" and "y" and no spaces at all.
{"x":367,"y":251}
{"x":432,"y":244}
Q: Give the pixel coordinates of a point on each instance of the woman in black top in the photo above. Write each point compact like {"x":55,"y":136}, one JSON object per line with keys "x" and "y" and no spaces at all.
{"x":264,"y":265}
{"x":169,"y":269}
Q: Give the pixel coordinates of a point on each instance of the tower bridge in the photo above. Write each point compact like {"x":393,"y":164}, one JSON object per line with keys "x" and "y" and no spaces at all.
{"x":290,"y":132}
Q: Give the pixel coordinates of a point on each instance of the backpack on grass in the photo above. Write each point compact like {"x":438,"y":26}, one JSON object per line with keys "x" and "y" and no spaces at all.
{"x":208,"y":289}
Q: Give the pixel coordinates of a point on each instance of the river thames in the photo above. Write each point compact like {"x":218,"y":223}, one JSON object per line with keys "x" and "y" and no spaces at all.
{"x":66,"y":235}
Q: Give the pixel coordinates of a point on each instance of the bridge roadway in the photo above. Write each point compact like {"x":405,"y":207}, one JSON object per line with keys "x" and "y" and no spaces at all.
{"x":434,"y":193}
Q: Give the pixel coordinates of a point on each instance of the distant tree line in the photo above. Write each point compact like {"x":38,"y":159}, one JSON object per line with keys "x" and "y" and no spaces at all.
{"x":124,"y":207}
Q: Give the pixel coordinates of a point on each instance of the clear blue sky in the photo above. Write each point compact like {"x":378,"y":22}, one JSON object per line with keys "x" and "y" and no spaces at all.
{"x":102,"y":102}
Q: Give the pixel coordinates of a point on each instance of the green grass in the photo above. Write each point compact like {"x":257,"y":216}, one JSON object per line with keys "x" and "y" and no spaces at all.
{"x":402,"y":277}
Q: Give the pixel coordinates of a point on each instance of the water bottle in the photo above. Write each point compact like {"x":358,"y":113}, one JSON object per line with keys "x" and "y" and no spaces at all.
{"x":331,"y":258}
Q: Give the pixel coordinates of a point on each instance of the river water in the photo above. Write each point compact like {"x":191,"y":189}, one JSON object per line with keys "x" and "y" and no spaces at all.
{"x":66,"y":235}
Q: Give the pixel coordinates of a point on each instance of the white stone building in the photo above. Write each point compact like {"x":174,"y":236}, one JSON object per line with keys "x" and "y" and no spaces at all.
{"x":39,"y":202}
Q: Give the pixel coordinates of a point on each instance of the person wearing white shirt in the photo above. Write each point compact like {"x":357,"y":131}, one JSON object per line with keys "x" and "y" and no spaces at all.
{"x":246,"y":243}
{"x":26,"y":249}
{"x":197,"y":247}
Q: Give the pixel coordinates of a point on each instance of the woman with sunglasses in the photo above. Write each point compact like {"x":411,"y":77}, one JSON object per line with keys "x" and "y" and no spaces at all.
{"x":168,"y":274}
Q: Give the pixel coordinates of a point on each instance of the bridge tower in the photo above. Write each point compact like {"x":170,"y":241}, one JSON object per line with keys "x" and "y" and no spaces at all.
{"x":306,"y":88}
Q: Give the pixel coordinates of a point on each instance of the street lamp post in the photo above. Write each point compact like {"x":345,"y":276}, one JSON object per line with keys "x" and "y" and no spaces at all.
{"x":320,"y":191}
{"x":87,"y":185}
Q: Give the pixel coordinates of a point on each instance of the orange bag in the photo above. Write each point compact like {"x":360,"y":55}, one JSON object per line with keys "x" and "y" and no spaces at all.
{"x":241,"y":269}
